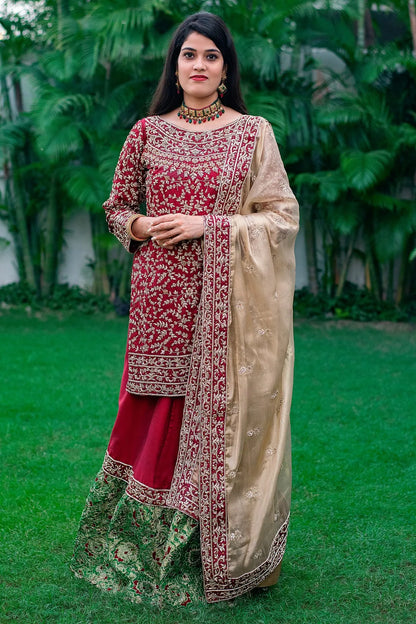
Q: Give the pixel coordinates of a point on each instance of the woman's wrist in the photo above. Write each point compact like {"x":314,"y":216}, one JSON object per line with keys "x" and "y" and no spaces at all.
{"x":134,"y":230}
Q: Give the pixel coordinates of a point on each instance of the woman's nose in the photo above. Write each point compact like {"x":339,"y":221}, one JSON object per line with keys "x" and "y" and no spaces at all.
{"x":199,"y":63}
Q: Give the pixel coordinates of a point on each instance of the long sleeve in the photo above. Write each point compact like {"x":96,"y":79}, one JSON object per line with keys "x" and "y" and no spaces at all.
{"x":128,"y":189}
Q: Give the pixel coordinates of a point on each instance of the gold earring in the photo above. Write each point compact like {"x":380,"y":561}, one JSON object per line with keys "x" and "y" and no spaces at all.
{"x":222,"y":89}
{"x":178,"y":86}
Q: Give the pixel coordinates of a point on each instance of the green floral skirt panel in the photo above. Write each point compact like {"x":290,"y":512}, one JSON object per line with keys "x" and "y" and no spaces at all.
{"x":147,"y":553}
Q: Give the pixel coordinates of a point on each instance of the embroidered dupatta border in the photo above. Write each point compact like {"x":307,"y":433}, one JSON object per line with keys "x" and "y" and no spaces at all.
{"x":213,"y":407}
{"x":213,"y":402}
{"x":218,"y":259}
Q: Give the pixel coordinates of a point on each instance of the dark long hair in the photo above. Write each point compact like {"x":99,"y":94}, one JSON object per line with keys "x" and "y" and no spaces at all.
{"x":211,"y":26}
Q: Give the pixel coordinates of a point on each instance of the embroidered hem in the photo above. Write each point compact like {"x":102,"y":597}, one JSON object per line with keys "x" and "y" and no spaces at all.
{"x":158,"y":375}
{"x":186,"y":504}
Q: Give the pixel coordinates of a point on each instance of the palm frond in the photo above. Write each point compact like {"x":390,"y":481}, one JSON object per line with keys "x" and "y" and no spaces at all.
{"x":330,"y":30}
{"x":86,"y":186}
{"x":59,"y":66}
{"x":120,"y":20}
{"x":390,"y":237}
{"x":13,"y":134}
{"x":52,"y":102}
{"x":363,"y":170}
{"x":406,"y":135}
{"x":345,"y":109}
{"x":347,"y":220}
{"x":65,"y":34}
{"x":157,"y":46}
{"x":259,"y":55}
{"x":376,"y":64}
{"x":62,"y":139}
{"x":129,"y":46}
{"x":330,"y":184}
{"x":108,"y":159}
{"x":267,"y":105}
{"x":376,"y":109}
{"x":389,"y":202}
{"x":111,"y":108}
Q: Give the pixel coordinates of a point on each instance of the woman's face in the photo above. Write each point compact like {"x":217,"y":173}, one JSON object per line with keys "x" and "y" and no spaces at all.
{"x":200,"y":70}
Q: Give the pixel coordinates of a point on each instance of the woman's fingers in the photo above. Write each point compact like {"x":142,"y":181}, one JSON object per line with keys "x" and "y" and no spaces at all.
{"x":171,"y":229}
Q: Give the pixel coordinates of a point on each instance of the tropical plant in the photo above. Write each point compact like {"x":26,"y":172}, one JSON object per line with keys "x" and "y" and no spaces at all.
{"x":339,"y":98}
{"x":365,"y":186}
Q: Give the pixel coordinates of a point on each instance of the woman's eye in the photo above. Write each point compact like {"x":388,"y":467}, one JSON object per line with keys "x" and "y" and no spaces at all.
{"x":210,"y":57}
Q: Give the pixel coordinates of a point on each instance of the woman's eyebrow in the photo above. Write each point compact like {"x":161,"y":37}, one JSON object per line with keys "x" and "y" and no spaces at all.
{"x":194,"y":50}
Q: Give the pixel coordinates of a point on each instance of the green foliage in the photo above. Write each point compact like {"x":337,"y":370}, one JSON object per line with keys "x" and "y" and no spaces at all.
{"x":343,"y":115}
{"x":356,"y":304}
{"x":64,"y":297}
{"x":364,"y":170}
{"x":358,"y":190}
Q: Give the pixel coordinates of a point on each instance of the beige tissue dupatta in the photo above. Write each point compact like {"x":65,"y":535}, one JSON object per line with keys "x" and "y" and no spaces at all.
{"x":234,"y":466}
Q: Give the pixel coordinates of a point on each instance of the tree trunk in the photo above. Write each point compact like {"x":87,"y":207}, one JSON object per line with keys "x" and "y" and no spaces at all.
{"x":345,"y":266}
{"x":310,"y":245}
{"x":53,"y":238}
{"x":405,"y":271}
{"x":412,"y":16}
{"x":375,"y":275}
{"x":18,"y":95}
{"x":369,"y":34}
{"x":390,"y":281}
{"x":361,"y":25}
{"x":17,"y":205}
{"x":101,"y":278}
{"x":62,"y":10}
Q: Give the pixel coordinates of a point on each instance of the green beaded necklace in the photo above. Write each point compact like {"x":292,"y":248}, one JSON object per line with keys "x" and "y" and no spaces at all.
{"x":201,"y":115}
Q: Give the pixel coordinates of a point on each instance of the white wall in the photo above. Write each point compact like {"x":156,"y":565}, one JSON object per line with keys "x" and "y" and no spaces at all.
{"x":77,"y":252}
{"x":8,"y":268}
{"x":75,"y":256}
{"x":301,"y":263}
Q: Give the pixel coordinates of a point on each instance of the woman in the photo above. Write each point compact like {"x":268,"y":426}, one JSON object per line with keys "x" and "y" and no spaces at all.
{"x":195,"y":483}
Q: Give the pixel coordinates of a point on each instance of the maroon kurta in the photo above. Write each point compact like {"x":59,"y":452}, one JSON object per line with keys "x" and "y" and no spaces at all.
{"x":173,"y":171}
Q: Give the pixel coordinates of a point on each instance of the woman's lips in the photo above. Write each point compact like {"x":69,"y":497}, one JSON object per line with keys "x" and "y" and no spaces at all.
{"x":199,"y":78}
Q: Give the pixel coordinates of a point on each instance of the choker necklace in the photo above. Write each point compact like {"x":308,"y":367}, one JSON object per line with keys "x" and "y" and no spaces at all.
{"x":201,"y":115}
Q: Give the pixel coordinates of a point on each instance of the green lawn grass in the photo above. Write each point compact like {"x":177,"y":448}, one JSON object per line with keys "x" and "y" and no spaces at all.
{"x":350,"y":556}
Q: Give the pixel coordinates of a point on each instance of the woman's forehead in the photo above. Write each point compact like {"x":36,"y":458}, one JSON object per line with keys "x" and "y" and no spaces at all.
{"x":196,"y":41}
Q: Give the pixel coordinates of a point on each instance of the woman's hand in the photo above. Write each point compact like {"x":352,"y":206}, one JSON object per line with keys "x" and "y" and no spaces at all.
{"x":170,"y":229}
